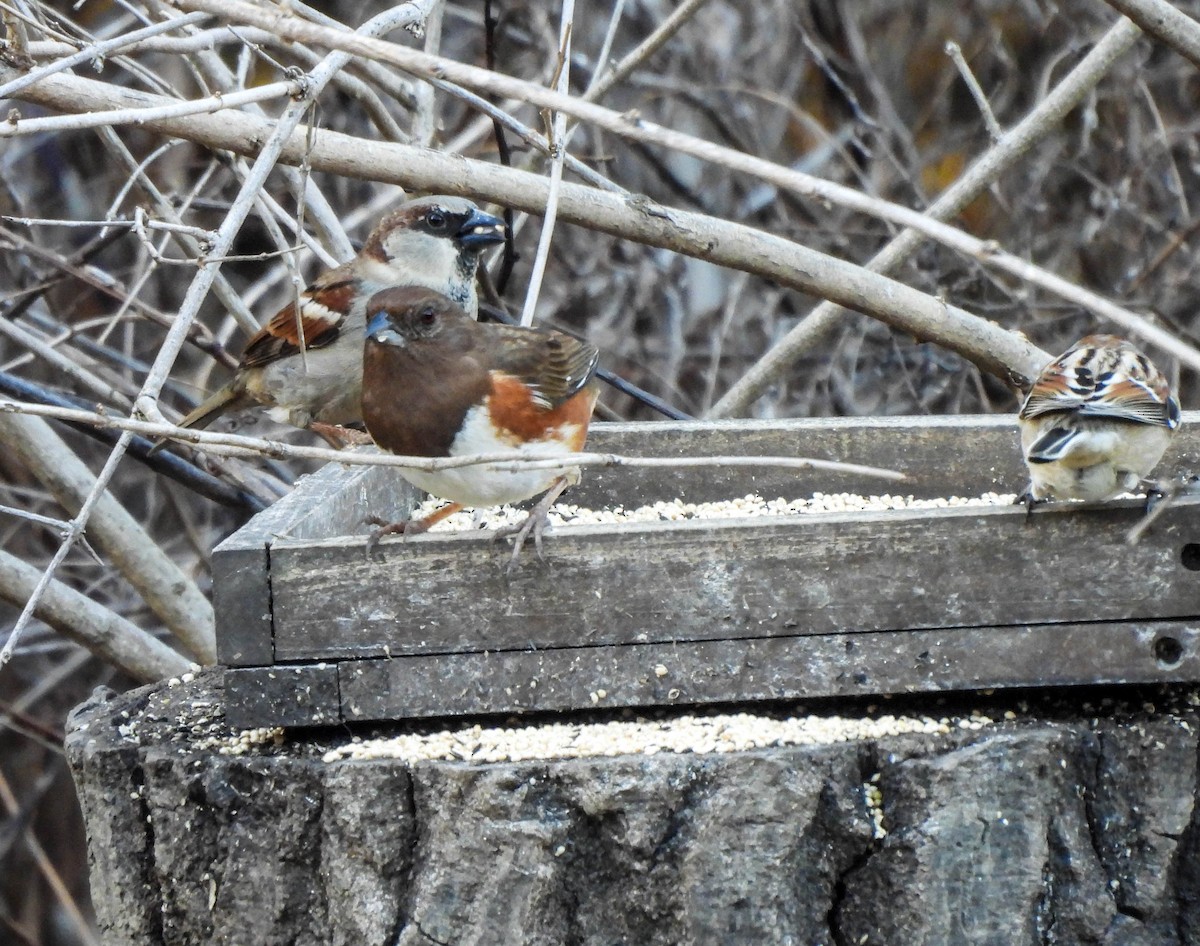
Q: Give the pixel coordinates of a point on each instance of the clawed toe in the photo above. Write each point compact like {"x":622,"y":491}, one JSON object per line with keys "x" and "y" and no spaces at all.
{"x":535,"y":524}
{"x":389,"y":527}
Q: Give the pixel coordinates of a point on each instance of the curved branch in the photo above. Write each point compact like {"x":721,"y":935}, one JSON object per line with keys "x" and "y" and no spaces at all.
{"x":992,"y":348}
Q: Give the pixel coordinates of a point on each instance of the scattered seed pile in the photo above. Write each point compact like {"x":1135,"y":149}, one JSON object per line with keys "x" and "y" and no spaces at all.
{"x":751,"y":506}
{"x":641,"y":736}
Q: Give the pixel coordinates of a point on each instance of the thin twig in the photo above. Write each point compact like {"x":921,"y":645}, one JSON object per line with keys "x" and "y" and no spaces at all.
{"x":954,"y":51}
{"x":643,"y":51}
{"x":556,"y":130}
{"x":96,"y":51}
{"x":16,"y":127}
{"x":424,"y":123}
{"x":225,"y":444}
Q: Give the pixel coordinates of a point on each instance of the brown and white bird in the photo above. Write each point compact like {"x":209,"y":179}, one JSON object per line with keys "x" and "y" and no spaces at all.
{"x":437,"y":384}
{"x":1096,"y":422}
{"x":433,"y":242}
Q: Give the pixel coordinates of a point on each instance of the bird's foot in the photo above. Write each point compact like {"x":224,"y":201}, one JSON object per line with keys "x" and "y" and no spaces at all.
{"x":405,"y":527}
{"x":1158,"y":491}
{"x":534,"y":524}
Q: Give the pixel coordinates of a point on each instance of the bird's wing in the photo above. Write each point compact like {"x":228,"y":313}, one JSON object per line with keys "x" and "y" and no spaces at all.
{"x":555,"y":365}
{"x":323,"y":308}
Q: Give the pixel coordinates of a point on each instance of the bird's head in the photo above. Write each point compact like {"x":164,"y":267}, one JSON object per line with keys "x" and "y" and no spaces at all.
{"x":404,"y":315}
{"x":434,"y":227}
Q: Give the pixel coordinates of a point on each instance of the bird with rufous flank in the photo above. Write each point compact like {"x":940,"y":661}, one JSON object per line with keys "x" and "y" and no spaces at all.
{"x":1096,"y":421}
{"x":437,"y":384}
{"x":305,"y":364}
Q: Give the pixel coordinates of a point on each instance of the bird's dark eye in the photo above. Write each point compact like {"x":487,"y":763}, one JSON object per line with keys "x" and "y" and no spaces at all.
{"x":436,"y":220}
{"x":428,"y":316}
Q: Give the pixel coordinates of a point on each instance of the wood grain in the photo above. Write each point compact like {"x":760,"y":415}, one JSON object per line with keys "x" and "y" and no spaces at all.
{"x":785,"y":668}
{"x":645,"y":583}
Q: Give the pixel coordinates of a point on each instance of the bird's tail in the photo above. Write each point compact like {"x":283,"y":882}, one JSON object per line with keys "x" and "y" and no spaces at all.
{"x":226,"y":399}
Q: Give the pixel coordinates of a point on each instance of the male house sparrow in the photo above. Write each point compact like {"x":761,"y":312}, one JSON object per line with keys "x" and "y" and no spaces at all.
{"x":1096,"y":422}
{"x":437,"y":384}
{"x":433,"y":241}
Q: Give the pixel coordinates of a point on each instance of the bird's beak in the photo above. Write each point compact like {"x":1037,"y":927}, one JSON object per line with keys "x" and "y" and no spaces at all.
{"x":379,"y":330}
{"x":480,"y":230}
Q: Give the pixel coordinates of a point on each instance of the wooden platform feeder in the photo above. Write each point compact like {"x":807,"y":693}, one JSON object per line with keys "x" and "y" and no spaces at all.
{"x":697,"y":612}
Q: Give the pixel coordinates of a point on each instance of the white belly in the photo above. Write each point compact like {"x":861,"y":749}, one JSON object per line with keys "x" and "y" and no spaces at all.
{"x":493,"y":484}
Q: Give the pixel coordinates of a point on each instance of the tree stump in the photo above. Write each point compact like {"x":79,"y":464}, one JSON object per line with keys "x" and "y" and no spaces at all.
{"x":1074,"y":822}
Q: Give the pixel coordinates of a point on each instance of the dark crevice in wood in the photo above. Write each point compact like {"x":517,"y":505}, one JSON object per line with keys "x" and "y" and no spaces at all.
{"x":406,"y":900}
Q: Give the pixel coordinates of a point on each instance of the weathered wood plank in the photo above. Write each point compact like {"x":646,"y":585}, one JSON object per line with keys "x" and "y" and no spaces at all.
{"x":345,"y":500}
{"x":282,"y":696}
{"x":242,"y":605}
{"x":732,"y":579}
{"x":782,"y":668}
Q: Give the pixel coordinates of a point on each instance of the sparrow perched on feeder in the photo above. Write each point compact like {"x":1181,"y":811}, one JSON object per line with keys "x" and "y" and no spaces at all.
{"x":437,"y":384}
{"x":1096,"y":422}
{"x":306,"y":366}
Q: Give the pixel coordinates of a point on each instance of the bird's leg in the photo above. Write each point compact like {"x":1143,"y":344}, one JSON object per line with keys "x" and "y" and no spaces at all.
{"x":340,"y":437}
{"x":1028,"y":500}
{"x":1159,"y":491}
{"x":1160,"y":496}
{"x":406,"y":526}
{"x":535,"y":522}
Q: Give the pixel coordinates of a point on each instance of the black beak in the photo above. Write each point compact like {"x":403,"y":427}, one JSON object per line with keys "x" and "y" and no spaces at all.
{"x":479,"y":230}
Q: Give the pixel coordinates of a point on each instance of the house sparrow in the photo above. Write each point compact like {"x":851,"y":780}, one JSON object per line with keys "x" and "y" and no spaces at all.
{"x":1096,"y":422}
{"x":437,"y":384}
{"x":433,"y":241}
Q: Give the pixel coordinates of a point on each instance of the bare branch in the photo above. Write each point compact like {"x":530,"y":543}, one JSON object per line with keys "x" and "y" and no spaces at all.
{"x":15,"y":126}
{"x":170,"y":594}
{"x":107,"y":635}
{"x":1166,"y":23}
{"x":814,"y":329}
{"x":994,"y":349}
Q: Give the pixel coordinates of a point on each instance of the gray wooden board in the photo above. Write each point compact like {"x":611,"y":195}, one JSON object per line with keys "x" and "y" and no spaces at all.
{"x":304,"y":695}
{"x":704,"y":672}
{"x":657,"y":582}
{"x":242,"y":606}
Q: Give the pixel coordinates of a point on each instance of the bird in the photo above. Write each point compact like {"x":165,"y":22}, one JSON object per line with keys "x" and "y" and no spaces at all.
{"x":305,"y":364}
{"x":437,"y":384}
{"x":1096,"y":422}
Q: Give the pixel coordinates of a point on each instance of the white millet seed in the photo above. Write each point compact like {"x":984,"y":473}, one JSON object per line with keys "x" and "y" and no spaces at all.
{"x":683,"y":733}
{"x":567,"y":514}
